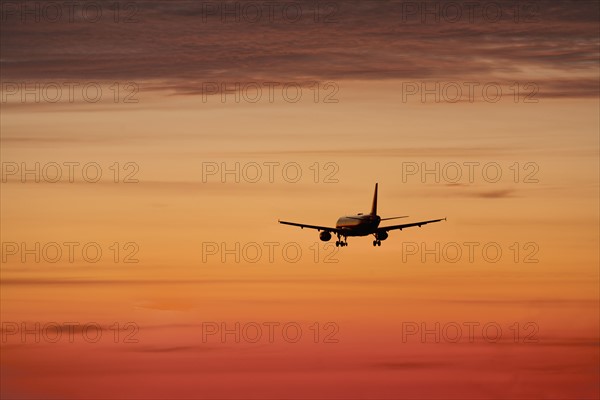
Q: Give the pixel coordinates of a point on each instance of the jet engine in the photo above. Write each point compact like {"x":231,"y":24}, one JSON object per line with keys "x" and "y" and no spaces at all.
{"x":382,"y":235}
{"x":325,"y":236}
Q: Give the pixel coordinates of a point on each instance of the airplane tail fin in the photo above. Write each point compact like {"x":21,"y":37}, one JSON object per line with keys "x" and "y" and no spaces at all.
{"x":374,"y":206}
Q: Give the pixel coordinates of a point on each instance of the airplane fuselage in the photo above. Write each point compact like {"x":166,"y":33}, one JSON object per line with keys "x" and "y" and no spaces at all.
{"x":358,"y":225}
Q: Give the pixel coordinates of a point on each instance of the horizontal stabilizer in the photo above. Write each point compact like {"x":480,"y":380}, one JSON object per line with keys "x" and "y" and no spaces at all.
{"x":385,"y":219}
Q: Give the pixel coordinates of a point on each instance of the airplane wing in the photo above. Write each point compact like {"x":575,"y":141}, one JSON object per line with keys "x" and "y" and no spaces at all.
{"x":319,"y":228}
{"x":393,"y":227}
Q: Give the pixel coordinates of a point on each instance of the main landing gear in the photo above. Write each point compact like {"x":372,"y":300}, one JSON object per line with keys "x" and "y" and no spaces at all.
{"x":377,"y":241}
{"x":340,"y":243}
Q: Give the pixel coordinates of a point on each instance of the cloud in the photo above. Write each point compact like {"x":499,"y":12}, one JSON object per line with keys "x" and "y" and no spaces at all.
{"x":523,"y":302}
{"x":471,"y":190}
{"x":571,"y":342}
{"x":163,"y":282}
{"x":409,"y":365}
{"x":173,"y":349}
{"x":494,"y":194}
{"x":181,"y":45}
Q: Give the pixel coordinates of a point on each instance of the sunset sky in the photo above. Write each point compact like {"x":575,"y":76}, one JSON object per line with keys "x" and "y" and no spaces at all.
{"x":149,"y":149}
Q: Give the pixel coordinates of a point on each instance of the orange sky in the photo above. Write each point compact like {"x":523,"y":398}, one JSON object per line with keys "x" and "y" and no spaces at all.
{"x":182,"y":226}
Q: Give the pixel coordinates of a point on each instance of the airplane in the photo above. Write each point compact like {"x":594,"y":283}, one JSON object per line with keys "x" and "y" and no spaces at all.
{"x":360,"y":225}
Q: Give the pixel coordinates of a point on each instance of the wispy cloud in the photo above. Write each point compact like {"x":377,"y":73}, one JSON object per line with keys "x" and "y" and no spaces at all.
{"x":409,"y":365}
{"x":172,"y":46}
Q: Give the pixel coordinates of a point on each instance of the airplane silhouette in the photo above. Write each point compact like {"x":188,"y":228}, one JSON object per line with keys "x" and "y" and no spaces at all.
{"x":360,"y":225}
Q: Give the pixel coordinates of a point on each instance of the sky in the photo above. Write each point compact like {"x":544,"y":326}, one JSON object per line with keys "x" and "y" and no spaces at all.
{"x":149,"y":148}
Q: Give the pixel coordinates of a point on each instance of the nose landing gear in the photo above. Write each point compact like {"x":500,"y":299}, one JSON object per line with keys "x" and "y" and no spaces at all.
{"x":376,"y":242}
